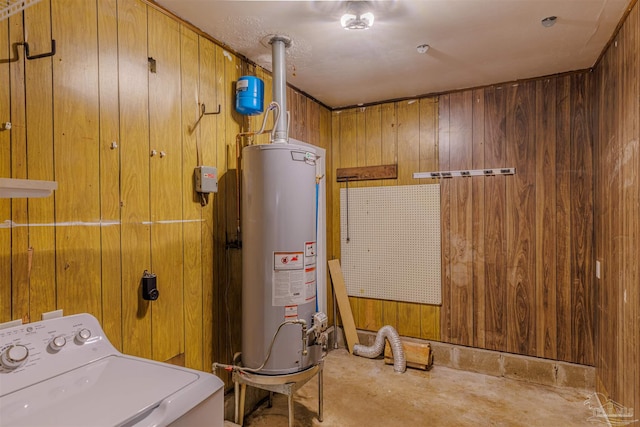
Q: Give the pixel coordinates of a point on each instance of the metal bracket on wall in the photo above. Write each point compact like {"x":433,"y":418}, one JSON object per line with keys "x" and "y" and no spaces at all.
{"x":203,"y":112}
{"x":465,"y":173}
{"x":40,"y":55}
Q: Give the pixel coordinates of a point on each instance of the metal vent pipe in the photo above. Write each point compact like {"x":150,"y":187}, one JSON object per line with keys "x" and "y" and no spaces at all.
{"x":278,"y":46}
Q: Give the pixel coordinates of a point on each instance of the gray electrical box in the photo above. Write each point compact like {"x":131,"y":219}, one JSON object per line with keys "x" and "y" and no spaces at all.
{"x":206,"y":179}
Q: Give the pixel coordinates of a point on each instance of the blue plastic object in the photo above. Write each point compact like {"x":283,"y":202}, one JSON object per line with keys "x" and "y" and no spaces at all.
{"x":249,"y":95}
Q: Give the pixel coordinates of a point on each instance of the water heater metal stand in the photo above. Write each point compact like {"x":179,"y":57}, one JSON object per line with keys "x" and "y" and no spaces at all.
{"x":283,"y":384}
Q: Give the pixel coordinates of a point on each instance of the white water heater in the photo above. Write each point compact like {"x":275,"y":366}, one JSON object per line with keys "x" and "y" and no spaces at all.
{"x":279,"y":258}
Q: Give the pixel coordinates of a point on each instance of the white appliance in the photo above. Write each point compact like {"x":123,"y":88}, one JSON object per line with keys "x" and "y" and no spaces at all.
{"x":65,"y":372}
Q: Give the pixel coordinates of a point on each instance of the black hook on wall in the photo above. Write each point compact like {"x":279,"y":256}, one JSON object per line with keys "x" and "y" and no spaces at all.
{"x":40,"y":55}
{"x":203,"y":112}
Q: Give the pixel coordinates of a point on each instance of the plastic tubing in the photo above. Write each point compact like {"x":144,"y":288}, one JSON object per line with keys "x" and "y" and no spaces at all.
{"x":386,"y":332}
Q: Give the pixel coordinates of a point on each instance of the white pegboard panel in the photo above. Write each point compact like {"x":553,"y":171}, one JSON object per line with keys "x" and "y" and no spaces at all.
{"x":393,"y":252}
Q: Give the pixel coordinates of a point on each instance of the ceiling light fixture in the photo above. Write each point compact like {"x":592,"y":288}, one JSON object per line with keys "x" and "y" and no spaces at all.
{"x":357,"y":17}
{"x":357,"y":21}
{"x":423,"y":48}
{"x":549,"y":21}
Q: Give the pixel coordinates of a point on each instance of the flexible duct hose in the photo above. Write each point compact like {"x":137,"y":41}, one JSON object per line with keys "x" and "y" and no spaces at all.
{"x":386,"y":332}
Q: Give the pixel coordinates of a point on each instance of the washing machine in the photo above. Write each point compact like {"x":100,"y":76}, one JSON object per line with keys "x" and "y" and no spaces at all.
{"x":65,"y":372}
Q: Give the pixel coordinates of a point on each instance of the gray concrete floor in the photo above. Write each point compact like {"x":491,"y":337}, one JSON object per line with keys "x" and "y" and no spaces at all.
{"x":363,"y":392}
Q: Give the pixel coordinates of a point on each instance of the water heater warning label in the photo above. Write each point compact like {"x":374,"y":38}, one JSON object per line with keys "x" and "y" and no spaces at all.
{"x":288,"y":260}
{"x":290,"y":312}
{"x":309,"y":253}
{"x":289,"y":279}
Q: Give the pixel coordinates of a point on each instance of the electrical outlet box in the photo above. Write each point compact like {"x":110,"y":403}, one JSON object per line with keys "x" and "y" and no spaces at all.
{"x":206,"y":179}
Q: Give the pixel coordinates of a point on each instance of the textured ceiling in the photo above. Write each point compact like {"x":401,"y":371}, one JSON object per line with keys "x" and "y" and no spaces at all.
{"x":472,"y":42}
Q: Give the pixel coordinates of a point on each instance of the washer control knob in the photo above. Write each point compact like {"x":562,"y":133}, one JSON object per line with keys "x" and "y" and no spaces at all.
{"x":57,"y":343}
{"x":83,"y":335}
{"x":14,"y":356}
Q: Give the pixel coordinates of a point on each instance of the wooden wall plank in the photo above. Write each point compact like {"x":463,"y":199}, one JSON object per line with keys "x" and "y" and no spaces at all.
{"x":546,"y":324}
{"x":300,"y":117}
{"x":370,"y":314}
{"x":614,"y":88}
{"x":134,"y":174}
{"x":233,"y":125}
{"x":336,"y":161}
{"x":39,"y":103}
{"x":603,"y":372}
{"x":20,"y":254}
{"x":370,"y":310}
{"x":631,"y":170}
{"x":616,"y":183}
{"x":461,"y":215}
{"x":429,"y":314}
{"x":5,"y":171}
{"x":409,"y":320}
{"x":221,"y":280}
{"x":295,"y":127}
{"x":444,"y":141}
{"x":208,"y":133}
{"x":165,"y":136}
{"x":428,"y":137}
{"x":313,"y":125}
{"x":521,"y":219}
{"x":326,"y":142}
{"x":191,"y":208}
{"x":360,"y":142}
{"x":607,"y":349}
{"x":348,"y":158}
{"x":167,"y":322}
{"x":616,"y":199}
{"x":478,"y":219}
{"x":563,"y":219}
{"x":495,"y":299}
{"x":408,"y":141}
{"x":581,"y":223}
{"x":268,"y":97}
{"x":389,"y":131}
{"x":631,"y":213}
{"x":109,"y":172}
{"x":76,"y":157}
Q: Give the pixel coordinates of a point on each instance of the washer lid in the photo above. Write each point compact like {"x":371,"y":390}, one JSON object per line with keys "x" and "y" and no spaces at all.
{"x":112,"y":391}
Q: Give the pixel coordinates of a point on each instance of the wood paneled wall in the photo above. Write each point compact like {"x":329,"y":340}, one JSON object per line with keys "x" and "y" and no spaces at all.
{"x":617,"y":220}
{"x":119,"y":211}
{"x":517,"y":250}
{"x":405,"y":133}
